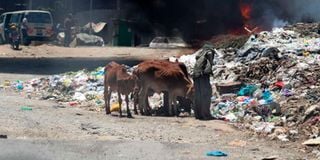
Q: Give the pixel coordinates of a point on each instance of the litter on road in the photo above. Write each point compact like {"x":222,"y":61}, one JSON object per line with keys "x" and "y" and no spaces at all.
{"x":217,"y":154}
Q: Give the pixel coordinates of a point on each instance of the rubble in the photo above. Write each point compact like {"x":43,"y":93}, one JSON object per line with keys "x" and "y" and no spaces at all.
{"x":82,"y":88}
{"x":281,"y":70}
{"x":84,"y":39}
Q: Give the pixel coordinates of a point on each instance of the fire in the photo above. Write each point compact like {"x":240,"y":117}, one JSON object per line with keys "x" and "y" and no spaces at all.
{"x":245,"y":10}
{"x":246,"y":13}
{"x":248,"y":27}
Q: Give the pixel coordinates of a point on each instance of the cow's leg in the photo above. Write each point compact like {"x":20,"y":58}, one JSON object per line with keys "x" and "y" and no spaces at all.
{"x":120,"y":103}
{"x":141,"y":100}
{"x":175,"y":105}
{"x":107,"y":97}
{"x":166,"y":103}
{"x":170,"y":103}
{"x":135,"y":103}
{"x":128,"y":110}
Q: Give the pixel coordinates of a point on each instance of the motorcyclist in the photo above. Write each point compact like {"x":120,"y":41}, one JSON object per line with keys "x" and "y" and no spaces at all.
{"x":14,"y":36}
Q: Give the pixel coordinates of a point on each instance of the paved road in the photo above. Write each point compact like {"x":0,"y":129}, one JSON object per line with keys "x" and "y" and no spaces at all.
{"x":49,"y":66}
{"x":103,"y":150}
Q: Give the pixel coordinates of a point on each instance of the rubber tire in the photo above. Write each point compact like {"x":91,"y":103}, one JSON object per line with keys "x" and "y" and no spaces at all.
{"x":1,"y":40}
{"x":27,"y":42}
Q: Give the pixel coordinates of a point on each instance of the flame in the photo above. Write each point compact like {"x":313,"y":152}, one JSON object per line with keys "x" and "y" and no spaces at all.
{"x":249,"y":27}
{"x":246,"y":10}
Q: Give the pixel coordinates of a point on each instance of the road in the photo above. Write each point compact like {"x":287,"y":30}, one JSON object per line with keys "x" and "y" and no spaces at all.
{"x":51,"y":131}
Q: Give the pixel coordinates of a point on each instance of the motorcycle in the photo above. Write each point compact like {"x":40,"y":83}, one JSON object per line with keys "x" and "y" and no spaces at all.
{"x":15,"y":40}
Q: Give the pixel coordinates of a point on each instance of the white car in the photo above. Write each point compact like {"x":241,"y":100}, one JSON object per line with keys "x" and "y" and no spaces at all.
{"x":168,"y":42}
{"x":40,"y":24}
{"x":4,"y":27}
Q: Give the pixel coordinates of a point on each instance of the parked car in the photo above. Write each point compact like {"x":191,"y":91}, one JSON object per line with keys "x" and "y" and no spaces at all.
{"x":4,"y":27}
{"x":40,"y":24}
{"x":168,"y":42}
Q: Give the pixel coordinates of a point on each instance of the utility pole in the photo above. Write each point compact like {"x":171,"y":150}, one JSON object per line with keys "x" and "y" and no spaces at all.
{"x":30,"y":4}
{"x":91,"y":4}
{"x":118,"y":5}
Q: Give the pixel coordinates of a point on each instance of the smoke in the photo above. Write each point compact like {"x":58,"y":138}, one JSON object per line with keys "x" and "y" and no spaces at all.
{"x":276,"y":13}
{"x":203,"y":18}
{"x":187,"y":18}
{"x":306,"y":10}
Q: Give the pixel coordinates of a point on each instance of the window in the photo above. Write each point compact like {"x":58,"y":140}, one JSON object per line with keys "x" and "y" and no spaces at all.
{"x":14,"y":18}
{"x":1,"y":18}
{"x":38,"y":18}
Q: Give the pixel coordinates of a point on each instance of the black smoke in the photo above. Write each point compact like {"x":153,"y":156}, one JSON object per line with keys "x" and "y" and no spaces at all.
{"x":188,"y":18}
{"x":201,"y":19}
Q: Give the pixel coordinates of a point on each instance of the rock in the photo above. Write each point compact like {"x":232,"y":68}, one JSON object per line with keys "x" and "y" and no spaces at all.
{"x":311,"y":110}
{"x":3,"y":136}
{"x":238,"y":143}
{"x":312,"y":142}
{"x":283,"y":138}
{"x":270,"y":158}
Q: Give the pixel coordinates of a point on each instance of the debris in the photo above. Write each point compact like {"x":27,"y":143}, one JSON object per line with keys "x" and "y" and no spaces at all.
{"x":83,"y":39}
{"x":217,"y":154}
{"x":225,"y":88}
{"x":115,"y":107}
{"x":263,"y":127}
{"x":247,"y":91}
{"x":19,"y":85}
{"x":270,"y":158}
{"x":238,"y":143}
{"x":58,"y":106}
{"x":73,"y":103}
{"x":3,"y":136}
{"x":312,"y":142}
{"x":6,"y":83}
{"x":25,"y":108}
{"x":89,"y":126}
{"x":283,"y":138}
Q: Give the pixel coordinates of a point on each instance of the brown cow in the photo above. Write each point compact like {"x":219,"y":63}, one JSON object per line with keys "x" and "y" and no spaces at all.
{"x":162,"y":76}
{"x":117,"y":79}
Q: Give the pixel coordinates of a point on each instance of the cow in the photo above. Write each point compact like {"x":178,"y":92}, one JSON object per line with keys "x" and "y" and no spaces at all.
{"x":117,"y":79}
{"x":162,"y":76}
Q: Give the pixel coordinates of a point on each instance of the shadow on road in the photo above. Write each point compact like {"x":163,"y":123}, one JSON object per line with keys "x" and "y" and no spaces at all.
{"x":49,"y":66}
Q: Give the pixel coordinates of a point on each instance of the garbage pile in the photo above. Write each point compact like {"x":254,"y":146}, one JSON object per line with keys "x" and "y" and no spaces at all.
{"x":82,"y":88}
{"x":280,"y":71}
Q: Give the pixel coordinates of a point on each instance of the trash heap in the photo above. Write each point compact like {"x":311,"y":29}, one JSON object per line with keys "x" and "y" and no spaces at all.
{"x":82,"y":88}
{"x":279,"y":72}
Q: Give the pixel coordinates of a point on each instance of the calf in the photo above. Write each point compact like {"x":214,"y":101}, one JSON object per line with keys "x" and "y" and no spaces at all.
{"x":162,"y":76}
{"x":117,"y":79}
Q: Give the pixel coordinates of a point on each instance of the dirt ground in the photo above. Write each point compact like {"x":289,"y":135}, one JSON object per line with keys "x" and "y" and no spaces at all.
{"x":50,"y":51}
{"x":51,"y":131}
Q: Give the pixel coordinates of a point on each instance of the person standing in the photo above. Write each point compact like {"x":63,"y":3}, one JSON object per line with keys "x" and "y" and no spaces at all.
{"x":68,"y":24}
{"x":201,"y":77}
{"x":24,"y":30}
